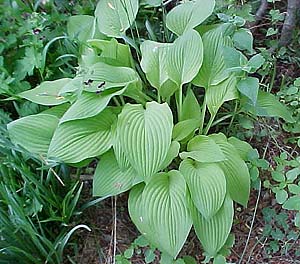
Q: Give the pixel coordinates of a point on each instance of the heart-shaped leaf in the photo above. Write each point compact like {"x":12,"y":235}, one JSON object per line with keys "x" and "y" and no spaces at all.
{"x":109,"y":179}
{"x":162,"y":215}
{"x":33,"y":132}
{"x":213,"y":70}
{"x":203,"y":149}
{"x":114,"y":17}
{"x":207,"y":185}
{"x":78,"y":140}
{"x":145,"y":136}
{"x":185,"y":57}
{"x":214,"y":232}
{"x":216,"y":95}
{"x":188,"y":15}
{"x":47,"y":93}
{"x":235,"y":170}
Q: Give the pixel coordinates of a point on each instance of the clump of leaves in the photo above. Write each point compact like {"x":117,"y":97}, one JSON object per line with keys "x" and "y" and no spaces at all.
{"x":138,"y":110}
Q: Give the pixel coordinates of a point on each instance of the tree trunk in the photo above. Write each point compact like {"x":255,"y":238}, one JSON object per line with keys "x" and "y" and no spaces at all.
{"x":289,"y":22}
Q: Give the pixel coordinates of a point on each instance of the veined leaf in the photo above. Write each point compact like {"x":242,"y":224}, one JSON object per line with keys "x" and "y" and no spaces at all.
{"x":242,"y":147}
{"x":113,"y":52}
{"x":214,"y":232}
{"x":190,"y":107}
{"x":110,"y":179}
{"x":268,"y":105}
{"x":154,"y":57}
{"x":207,"y":185}
{"x":145,"y":136}
{"x":184,"y":128}
{"x":78,"y":140}
{"x":90,"y":104}
{"x":172,"y":154}
{"x":203,"y":149}
{"x":101,"y":76}
{"x":163,"y":216}
{"x":114,"y":17}
{"x":81,"y":27}
{"x":47,"y":93}
{"x":153,"y":62}
{"x":216,"y":95}
{"x":213,"y":70}
{"x":34,"y":132}
{"x":185,"y":57}
{"x":57,"y":111}
{"x":188,"y":15}
{"x":235,"y":170}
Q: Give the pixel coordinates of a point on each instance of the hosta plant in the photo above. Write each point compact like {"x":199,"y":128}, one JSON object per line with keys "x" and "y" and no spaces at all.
{"x":141,"y":111}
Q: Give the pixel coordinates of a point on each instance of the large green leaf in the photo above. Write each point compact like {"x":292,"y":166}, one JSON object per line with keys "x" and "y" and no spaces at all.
{"x":90,"y":104}
{"x":207,"y":185}
{"x":112,"y":52}
{"x":114,"y":17}
{"x":153,"y":63}
{"x":213,"y":70}
{"x":214,"y":232}
{"x":216,"y":95}
{"x":242,"y":147}
{"x":235,"y":170}
{"x":145,"y":136}
{"x":101,"y":76}
{"x":190,"y":107}
{"x":109,"y":179}
{"x":185,"y":57}
{"x":184,"y":128}
{"x":34,"y":132}
{"x":78,"y":140}
{"x":188,"y":15}
{"x":268,"y":105}
{"x":81,"y":27}
{"x":47,"y":93}
{"x":249,"y":87}
{"x":172,"y":154}
{"x":203,"y":149}
{"x":162,"y":214}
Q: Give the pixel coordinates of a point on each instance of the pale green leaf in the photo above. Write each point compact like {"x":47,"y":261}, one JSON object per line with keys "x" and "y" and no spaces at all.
{"x":293,"y":203}
{"x":90,"y":104}
{"x":242,"y":147}
{"x":109,"y":179}
{"x":188,"y":15}
{"x":153,"y":3}
{"x":207,"y":185}
{"x":153,"y":63}
{"x":114,"y":17}
{"x":34,"y":132}
{"x":103,"y":76}
{"x":81,"y":27}
{"x":57,"y":111}
{"x":281,"y":196}
{"x":214,"y":232}
{"x":145,"y":136}
{"x":235,"y":170}
{"x":172,"y":154}
{"x":185,"y":57}
{"x":213,"y":70}
{"x":190,"y":107}
{"x":184,"y":128}
{"x":162,"y":215}
{"x":47,"y":93}
{"x":112,"y":52}
{"x":203,"y":149}
{"x":216,"y":95}
{"x":78,"y":140}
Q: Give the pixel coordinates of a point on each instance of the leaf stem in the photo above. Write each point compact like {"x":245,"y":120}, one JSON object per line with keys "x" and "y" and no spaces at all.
{"x":202,"y":116}
{"x":211,"y":120}
{"x":179,"y":102}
